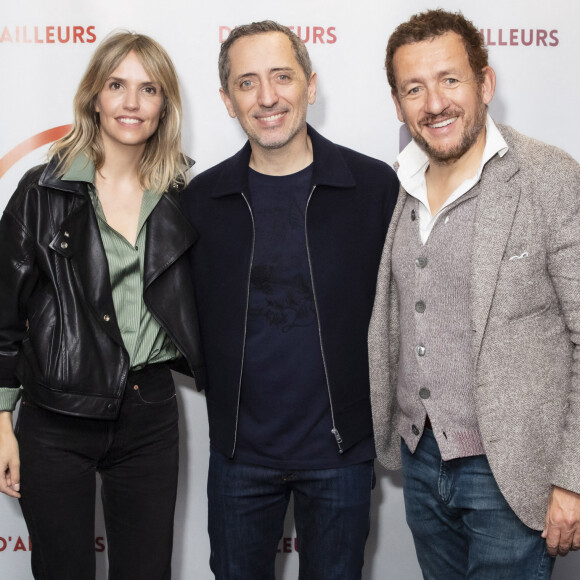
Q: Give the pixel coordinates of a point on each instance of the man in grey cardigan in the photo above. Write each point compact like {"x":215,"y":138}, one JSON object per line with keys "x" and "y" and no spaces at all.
{"x":474,"y":340}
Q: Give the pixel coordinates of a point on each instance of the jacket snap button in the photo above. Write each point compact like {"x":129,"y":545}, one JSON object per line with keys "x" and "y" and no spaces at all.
{"x":64,"y":245}
{"x":106,"y":318}
{"x":66,"y":234}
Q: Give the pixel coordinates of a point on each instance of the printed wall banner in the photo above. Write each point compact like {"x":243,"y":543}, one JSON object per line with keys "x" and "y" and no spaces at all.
{"x":48,"y":34}
{"x":45,"y":46}
{"x":308,"y":34}
{"x":520,"y":37}
{"x":34,"y":142}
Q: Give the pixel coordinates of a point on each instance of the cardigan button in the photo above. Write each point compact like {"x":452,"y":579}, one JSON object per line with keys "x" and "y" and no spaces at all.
{"x":421,"y":262}
{"x":424,"y":393}
{"x":420,"y":307}
{"x":420,"y":350}
{"x":415,"y":430}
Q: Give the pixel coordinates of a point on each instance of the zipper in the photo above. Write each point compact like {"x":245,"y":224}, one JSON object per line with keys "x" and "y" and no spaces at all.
{"x":245,"y":322}
{"x":337,"y":436}
{"x":334,"y":430}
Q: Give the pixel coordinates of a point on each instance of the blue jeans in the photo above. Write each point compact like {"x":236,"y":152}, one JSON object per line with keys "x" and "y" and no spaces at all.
{"x":247,"y":505}
{"x":462,"y":525}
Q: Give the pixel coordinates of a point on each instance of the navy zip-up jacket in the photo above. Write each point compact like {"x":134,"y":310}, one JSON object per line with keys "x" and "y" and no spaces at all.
{"x":351,"y":202}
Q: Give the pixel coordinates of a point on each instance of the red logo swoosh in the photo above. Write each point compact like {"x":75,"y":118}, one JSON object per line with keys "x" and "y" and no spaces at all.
{"x":30,"y":145}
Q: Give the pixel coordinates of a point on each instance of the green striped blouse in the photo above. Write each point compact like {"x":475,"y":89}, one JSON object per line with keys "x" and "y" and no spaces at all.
{"x":145,"y":340}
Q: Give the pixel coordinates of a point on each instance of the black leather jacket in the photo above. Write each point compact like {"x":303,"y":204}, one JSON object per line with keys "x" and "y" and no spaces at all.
{"x":59,"y":335}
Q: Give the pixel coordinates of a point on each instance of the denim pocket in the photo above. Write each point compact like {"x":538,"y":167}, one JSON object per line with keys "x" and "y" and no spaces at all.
{"x":155,"y":394}
{"x":153,"y":385}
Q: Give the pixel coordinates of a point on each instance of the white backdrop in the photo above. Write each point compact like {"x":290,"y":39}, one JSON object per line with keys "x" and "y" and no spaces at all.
{"x":45,"y":46}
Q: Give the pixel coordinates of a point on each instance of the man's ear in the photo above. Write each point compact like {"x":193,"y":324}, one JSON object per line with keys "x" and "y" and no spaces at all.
{"x":228,"y":103}
{"x":395,"y":98}
{"x":488,"y":84}
{"x":312,"y":88}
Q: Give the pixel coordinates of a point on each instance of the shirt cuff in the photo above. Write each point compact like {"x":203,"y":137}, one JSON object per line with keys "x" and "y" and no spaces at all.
{"x":8,"y":398}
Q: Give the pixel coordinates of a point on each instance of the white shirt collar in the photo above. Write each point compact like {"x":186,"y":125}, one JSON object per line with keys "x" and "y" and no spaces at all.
{"x":413,"y":163}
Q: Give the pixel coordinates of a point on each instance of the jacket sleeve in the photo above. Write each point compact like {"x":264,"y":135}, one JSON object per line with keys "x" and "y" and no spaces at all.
{"x":391,"y":193}
{"x":561,"y":206}
{"x":18,"y":276}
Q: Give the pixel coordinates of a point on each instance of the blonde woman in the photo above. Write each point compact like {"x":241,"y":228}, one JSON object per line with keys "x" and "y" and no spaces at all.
{"x":96,"y":306}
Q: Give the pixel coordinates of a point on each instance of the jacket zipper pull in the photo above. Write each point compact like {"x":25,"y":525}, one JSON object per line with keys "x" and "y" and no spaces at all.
{"x":338,"y":438}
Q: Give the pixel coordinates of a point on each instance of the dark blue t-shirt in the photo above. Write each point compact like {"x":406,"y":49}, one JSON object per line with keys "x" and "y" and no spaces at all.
{"x":285,"y":419}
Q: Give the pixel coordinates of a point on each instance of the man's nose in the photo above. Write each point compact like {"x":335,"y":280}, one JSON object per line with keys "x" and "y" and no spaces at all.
{"x":267,"y":94}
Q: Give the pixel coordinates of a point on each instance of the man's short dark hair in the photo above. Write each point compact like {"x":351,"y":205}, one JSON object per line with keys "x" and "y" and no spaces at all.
{"x":431,"y":24}
{"x":300,"y":51}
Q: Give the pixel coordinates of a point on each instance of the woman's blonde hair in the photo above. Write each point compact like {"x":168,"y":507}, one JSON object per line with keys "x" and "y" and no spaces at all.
{"x":163,"y":164}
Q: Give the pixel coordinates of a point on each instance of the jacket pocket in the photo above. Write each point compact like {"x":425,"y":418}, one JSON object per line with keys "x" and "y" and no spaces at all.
{"x":523,"y":287}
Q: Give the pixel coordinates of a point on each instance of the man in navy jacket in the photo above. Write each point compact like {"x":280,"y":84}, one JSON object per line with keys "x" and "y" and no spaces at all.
{"x":290,"y":236}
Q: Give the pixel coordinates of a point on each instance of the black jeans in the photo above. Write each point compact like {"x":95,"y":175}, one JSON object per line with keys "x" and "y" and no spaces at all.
{"x":136,"y":456}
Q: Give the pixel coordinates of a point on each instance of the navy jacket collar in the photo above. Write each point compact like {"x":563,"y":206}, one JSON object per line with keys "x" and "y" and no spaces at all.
{"x":329,"y":167}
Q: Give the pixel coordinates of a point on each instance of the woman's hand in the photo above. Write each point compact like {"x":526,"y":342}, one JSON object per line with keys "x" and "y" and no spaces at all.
{"x":9,"y":457}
